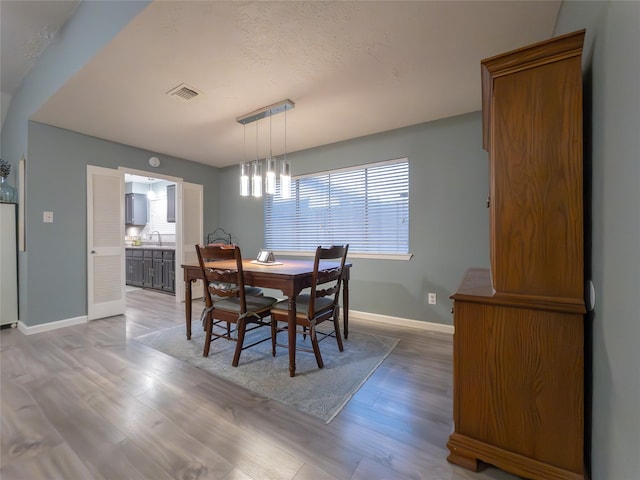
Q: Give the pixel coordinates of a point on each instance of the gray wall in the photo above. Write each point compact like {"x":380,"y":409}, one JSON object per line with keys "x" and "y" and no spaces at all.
{"x":612,"y":70}
{"x":93,"y":25}
{"x":56,"y":271}
{"x":449,"y":228}
{"x":448,"y":231}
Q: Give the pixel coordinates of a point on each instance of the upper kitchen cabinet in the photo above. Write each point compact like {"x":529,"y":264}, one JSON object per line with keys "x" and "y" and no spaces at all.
{"x":171,"y":204}
{"x":135,"y":206}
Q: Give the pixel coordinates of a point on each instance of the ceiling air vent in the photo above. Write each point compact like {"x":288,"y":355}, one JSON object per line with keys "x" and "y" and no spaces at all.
{"x":184,"y":92}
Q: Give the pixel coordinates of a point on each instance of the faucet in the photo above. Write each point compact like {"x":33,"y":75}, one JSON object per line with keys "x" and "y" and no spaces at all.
{"x":159,"y":239}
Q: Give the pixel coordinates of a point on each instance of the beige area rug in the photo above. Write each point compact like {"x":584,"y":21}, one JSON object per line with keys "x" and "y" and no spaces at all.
{"x":318,"y":392}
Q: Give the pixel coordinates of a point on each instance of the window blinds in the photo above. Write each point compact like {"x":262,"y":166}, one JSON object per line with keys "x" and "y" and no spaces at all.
{"x":366,"y":207}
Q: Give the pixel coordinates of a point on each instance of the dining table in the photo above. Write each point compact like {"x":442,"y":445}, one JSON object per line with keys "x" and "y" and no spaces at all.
{"x":288,"y":276}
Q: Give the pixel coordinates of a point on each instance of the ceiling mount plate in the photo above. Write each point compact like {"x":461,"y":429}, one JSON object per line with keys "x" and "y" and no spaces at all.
{"x":265,"y":112}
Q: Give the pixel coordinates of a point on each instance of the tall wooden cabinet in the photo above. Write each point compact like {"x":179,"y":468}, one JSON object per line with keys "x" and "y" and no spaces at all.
{"x":519,"y":327}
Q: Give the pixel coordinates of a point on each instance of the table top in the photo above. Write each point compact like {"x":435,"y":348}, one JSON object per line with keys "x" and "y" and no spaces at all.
{"x":282,"y":267}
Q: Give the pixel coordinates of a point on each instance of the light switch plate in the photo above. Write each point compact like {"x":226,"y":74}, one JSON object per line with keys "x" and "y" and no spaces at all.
{"x":47,"y":217}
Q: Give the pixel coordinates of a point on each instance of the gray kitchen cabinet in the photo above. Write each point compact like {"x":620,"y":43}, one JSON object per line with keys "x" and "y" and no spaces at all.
{"x":128,"y":263}
{"x":168,"y":271}
{"x":150,"y":268}
{"x":147,"y":263}
{"x":135,"y":209}
{"x":156,"y":275}
{"x":171,"y":204}
{"x":134,"y":267}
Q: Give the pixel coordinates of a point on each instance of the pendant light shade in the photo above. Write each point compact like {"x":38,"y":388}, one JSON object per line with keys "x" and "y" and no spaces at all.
{"x":270,"y":176}
{"x":245,"y":170}
{"x":285,"y":172}
{"x":256,"y":183}
{"x":285,"y":179}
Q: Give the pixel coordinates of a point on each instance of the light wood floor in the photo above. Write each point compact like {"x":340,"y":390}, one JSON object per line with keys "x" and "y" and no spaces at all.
{"x":84,"y":402}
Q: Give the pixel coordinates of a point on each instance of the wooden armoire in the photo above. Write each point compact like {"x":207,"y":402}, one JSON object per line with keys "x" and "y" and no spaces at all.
{"x":519,"y":327}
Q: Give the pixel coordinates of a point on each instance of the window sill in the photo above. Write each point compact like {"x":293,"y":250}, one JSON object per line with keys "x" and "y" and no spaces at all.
{"x":373,"y":256}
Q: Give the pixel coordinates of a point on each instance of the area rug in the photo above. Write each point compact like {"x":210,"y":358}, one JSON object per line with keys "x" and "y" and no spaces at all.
{"x":318,"y":392}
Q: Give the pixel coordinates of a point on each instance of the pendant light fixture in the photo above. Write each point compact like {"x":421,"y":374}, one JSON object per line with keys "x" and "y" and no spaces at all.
{"x":245,"y":169}
{"x":270,"y":176}
{"x":285,"y":173}
{"x":256,"y":179}
{"x":251,"y":173}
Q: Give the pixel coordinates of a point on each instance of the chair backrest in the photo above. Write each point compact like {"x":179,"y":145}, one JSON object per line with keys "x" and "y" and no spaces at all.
{"x":219,"y":236}
{"x":222,"y":282}
{"x":325,"y":283}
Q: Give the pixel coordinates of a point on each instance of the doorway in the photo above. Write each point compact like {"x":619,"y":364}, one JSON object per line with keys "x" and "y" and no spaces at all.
{"x":106,"y":270}
{"x":174,"y":219}
{"x":150,"y":233}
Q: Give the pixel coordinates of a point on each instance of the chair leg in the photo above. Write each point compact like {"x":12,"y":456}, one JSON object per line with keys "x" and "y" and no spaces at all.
{"x":208,"y":326}
{"x":274,"y":332}
{"x":336,"y":327}
{"x":316,"y":347}
{"x":241,"y":328}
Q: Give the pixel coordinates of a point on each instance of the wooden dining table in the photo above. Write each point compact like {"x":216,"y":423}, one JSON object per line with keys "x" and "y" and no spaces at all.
{"x":288,"y":276}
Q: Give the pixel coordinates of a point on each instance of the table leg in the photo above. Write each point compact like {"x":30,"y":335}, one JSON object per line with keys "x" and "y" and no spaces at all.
{"x":187,"y":306}
{"x":291,"y":331}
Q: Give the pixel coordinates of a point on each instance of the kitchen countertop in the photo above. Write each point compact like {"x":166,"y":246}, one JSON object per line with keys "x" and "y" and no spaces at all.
{"x":151,"y":247}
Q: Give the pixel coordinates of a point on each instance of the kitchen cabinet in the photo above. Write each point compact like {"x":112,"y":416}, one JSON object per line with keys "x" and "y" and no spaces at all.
{"x":135,"y":268}
{"x":171,"y":204}
{"x":128,"y":262}
{"x":147,"y":265}
{"x":519,"y":341}
{"x":135,"y":209}
{"x":156,"y":272}
{"x":150,"y":268}
{"x":168,"y":271}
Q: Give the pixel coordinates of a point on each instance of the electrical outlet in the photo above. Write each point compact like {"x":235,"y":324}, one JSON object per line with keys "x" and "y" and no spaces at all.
{"x":432,"y":299}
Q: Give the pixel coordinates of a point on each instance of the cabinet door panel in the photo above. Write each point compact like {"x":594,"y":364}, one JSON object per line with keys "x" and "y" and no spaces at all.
{"x":519,"y":381}
{"x":157,"y":273}
{"x":536,"y":191}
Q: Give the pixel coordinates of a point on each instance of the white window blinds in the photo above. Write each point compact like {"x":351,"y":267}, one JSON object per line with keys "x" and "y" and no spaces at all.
{"x":366,"y":207}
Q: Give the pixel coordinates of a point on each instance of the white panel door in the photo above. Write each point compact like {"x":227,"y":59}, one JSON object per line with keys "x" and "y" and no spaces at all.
{"x":105,"y":243}
{"x":190,"y":233}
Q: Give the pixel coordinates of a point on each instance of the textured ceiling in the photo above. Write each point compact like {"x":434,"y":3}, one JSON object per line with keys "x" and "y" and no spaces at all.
{"x":352,"y":69}
{"x":26,"y":30}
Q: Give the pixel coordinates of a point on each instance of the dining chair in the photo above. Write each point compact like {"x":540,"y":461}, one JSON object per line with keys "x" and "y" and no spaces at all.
{"x":226,"y":300}
{"x":220,"y":237}
{"x":316,"y":306}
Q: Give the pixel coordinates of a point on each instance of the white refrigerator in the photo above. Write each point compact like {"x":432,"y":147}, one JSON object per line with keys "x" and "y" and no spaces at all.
{"x":8,"y":265}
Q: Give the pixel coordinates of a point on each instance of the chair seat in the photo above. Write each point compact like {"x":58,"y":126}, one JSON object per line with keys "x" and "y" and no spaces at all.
{"x":248,"y":290}
{"x":230,"y":287}
{"x":302,"y":305}
{"x":254,"y":303}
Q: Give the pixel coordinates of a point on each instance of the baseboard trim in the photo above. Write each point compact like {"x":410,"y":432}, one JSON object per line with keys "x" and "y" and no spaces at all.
{"x":403,"y":322}
{"x":46,"y":327}
{"x":368,"y":316}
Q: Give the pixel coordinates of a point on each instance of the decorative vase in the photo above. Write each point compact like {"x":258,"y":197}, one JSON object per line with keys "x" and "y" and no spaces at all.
{"x":7,"y":192}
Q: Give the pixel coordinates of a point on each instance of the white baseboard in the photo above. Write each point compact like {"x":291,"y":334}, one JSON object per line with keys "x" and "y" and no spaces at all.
{"x":404,"y":322}
{"x":371,"y":317}
{"x":45,"y":327}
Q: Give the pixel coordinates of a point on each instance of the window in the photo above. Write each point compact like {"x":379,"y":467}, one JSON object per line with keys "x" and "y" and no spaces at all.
{"x":365,"y":206}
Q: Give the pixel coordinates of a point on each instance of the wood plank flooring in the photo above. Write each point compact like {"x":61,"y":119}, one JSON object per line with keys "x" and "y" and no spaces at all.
{"x":84,"y":402}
